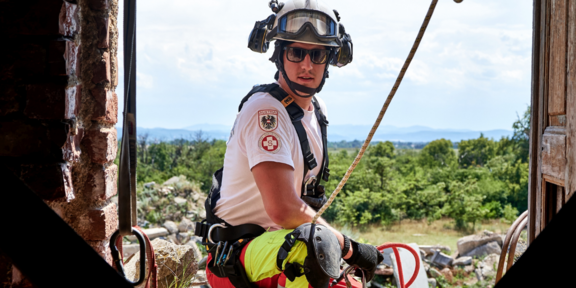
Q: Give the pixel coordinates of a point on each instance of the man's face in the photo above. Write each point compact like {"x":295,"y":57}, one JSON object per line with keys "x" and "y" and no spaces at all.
{"x":304,"y":73}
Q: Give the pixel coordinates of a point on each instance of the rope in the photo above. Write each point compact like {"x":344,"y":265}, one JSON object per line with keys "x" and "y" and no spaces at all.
{"x":382,"y":111}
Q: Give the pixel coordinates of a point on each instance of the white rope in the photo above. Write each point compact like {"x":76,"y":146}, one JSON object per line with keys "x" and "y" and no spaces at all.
{"x":382,"y":112}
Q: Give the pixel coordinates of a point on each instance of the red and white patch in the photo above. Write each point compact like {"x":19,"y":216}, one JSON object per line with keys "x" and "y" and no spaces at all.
{"x":268,"y":119}
{"x":270,"y":142}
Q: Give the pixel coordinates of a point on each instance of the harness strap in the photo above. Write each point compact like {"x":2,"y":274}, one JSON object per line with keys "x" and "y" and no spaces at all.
{"x":229,"y":233}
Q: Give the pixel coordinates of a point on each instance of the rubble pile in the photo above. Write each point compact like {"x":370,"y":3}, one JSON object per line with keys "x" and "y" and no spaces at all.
{"x":475,"y":262}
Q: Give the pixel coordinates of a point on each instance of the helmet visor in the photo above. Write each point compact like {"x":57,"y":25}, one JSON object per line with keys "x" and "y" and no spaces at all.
{"x":292,"y":22}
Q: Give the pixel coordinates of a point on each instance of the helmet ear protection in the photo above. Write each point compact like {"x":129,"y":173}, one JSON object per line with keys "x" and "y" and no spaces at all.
{"x":344,"y":55}
{"x":257,"y":39}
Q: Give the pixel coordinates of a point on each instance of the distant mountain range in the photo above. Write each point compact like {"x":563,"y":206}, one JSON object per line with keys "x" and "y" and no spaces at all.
{"x":336,"y":133}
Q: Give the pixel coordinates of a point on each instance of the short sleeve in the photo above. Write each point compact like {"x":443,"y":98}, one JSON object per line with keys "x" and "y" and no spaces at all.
{"x":266,"y":135}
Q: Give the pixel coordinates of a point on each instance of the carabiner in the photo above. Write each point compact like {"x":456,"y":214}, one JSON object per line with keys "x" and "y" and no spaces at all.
{"x":118,"y":259}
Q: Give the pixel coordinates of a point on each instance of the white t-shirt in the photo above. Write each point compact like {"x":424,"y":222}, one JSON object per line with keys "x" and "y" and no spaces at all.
{"x":263,"y":132}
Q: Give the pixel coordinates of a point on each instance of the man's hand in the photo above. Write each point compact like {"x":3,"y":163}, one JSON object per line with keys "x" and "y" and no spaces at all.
{"x":365,"y":257}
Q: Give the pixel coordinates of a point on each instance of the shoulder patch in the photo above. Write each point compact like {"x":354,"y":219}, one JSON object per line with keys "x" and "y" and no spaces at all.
{"x":268,"y":119}
{"x":270,"y":142}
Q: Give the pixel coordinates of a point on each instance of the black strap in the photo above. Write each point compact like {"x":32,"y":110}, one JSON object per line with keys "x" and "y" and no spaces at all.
{"x":230,"y":233}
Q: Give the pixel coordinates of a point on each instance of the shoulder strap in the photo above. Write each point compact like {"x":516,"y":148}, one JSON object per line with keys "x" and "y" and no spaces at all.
{"x":323,"y":122}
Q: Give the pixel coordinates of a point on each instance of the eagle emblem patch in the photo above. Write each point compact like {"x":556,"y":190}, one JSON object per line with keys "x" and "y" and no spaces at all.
{"x":270,"y":142}
{"x":268,"y":119}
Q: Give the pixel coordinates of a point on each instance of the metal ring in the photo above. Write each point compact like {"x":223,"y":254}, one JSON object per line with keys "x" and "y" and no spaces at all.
{"x":210,"y":231}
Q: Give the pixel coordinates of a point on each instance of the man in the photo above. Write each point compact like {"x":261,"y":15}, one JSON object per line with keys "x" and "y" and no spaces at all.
{"x":270,"y":179}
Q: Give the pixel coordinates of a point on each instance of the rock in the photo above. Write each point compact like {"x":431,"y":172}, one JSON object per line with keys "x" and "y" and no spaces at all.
{"x":434,"y":272}
{"x":152,"y":233}
{"x":171,"y":259}
{"x":447,"y":273}
{"x":486,"y":249}
{"x":195,"y":196}
{"x":186,"y":225}
{"x":149,"y":185}
{"x":197,"y":253}
{"x":383,"y":270}
{"x":462,"y":261}
{"x":471,"y":281}
{"x":180,"y":201}
{"x":165,"y":190}
{"x":479,"y":276}
{"x":431,"y":282}
{"x":173,"y":180}
{"x":183,"y":237}
{"x":173,"y":239}
{"x":129,"y":250}
{"x":170,"y":226}
{"x":200,"y":278}
{"x":196,"y":239}
{"x":202,"y":214}
{"x":441,"y":260}
{"x":469,"y":268}
{"x":488,"y":265}
{"x":429,"y":249}
{"x":468,"y":243}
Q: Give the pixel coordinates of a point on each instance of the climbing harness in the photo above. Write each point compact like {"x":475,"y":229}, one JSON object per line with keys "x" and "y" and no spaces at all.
{"x":127,"y":211}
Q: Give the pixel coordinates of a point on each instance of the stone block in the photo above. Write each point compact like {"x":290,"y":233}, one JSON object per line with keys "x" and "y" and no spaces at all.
{"x":101,"y":145}
{"x":170,"y":226}
{"x":106,"y":105}
{"x":72,"y":56}
{"x":185,"y":225}
{"x":9,"y":100}
{"x":42,"y":18}
{"x":73,"y":101}
{"x":486,"y":249}
{"x":462,"y":261}
{"x":103,"y":249}
{"x":25,"y":60}
{"x":98,"y":4}
{"x":50,"y":182}
{"x":98,"y":224}
{"x":51,"y":101}
{"x":102,"y":25}
{"x":101,"y":73}
{"x":71,"y":149}
{"x":101,"y":182}
{"x":18,"y":139}
{"x":69,"y":23}
{"x":56,"y":60}
{"x":19,"y":280}
{"x":467,"y":243}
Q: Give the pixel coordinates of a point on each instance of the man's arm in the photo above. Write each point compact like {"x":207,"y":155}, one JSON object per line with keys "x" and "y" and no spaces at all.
{"x":276,"y":184}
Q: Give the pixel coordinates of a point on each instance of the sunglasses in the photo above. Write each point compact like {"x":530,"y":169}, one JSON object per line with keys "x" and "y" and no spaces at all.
{"x":297,"y":55}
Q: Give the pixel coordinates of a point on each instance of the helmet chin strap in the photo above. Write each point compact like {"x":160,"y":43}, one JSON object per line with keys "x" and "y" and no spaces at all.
{"x":295,"y":87}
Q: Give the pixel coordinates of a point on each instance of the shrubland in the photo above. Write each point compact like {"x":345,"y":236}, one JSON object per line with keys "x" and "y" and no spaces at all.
{"x":481,"y":179}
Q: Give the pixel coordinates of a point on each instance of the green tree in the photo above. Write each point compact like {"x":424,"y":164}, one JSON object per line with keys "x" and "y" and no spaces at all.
{"x":476,"y":152}
{"x":438,"y":153}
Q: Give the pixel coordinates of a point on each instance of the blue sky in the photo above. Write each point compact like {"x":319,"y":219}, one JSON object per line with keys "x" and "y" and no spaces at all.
{"x":472,"y":70}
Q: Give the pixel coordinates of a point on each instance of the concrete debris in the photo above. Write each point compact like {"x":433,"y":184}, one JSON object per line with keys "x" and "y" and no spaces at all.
{"x":489,"y":265}
{"x":432,"y":282}
{"x":486,"y":249}
{"x":468,"y":243}
{"x":441,"y":260}
{"x":172,"y":181}
{"x":429,"y":249}
{"x":180,"y":201}
{"x":170,"y":226}
{"x":172,"y":260}
{"x":152,"y":233}
{"x":186,"y":225}
{"x":462,"y":261}
{"x":447,"y":273}
{"x":149,"y":185}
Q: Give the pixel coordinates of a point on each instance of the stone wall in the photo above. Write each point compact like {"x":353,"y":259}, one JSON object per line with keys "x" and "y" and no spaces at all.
{"x":58,"y":73}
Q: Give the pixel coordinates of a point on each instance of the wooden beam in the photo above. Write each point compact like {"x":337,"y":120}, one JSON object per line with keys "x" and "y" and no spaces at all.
{"x":542,"y":114}
{"x":533,"y":150}
{"x":557,"y":73}
{"x":571,"y":104}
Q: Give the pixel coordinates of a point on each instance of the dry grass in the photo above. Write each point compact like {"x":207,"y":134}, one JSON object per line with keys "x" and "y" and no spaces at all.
{"x":439,"y":232}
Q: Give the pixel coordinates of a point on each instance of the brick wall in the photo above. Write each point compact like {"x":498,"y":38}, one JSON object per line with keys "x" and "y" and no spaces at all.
{"x":58,"y":107}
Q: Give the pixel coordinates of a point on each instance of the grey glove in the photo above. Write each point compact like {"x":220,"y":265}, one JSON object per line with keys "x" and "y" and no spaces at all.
{"x":365,"y":257}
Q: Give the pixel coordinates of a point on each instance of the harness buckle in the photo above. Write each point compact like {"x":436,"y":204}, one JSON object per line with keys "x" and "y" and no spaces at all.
{"x":309,"y":185}
{"x":209,"y":236}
